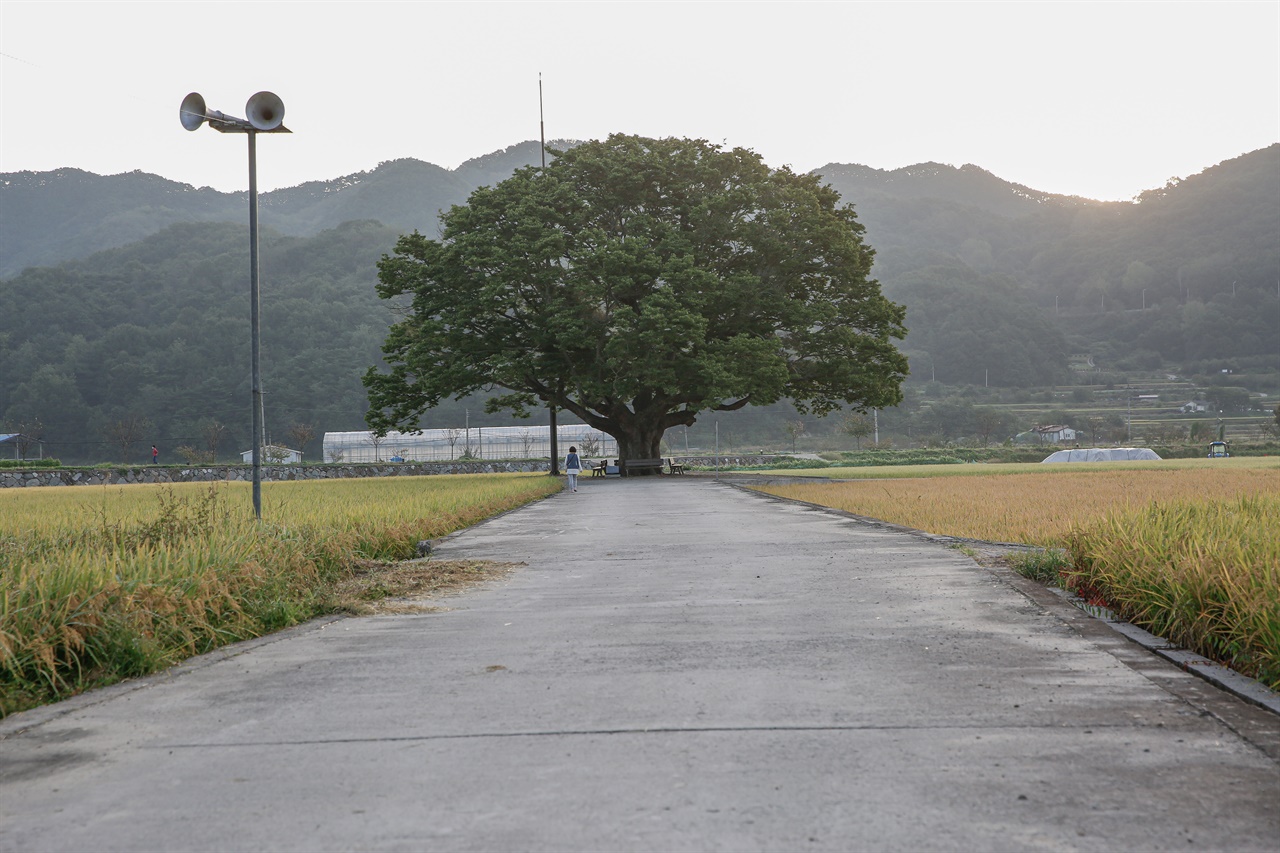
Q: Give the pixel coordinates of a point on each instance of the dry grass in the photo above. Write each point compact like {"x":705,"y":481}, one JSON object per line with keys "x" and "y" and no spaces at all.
{"x":376,"y":588}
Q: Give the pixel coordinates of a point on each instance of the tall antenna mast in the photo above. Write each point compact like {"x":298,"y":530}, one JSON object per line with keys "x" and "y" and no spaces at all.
{"x":542,"y":127}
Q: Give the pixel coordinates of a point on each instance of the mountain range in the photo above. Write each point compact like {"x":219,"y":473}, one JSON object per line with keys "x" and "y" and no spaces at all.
{"x":123,"y":293}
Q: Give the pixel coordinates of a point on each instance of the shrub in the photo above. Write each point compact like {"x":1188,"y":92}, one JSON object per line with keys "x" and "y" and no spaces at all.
{"x":1045,"y":566}
{"x":29,"y":464}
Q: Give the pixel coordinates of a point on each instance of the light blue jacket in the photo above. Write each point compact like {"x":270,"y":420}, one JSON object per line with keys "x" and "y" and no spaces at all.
{"x":572,"y":461}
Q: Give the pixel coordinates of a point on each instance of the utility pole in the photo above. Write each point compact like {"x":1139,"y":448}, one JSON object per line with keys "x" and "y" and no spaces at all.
{"x":551,"y":404}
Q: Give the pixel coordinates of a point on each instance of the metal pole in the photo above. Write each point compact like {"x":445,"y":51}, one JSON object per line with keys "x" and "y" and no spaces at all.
{"x":255,"y":349}
{"x":551,"y":405}
{"x":555,"y":445}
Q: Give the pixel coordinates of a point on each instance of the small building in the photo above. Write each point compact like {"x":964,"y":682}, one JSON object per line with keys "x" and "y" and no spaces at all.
{"x":438,"y":445}
{"x":1191,"y":407}
{"x":275,"y":454}
{"x":1049,"y":434}
{"x":21,"y":444}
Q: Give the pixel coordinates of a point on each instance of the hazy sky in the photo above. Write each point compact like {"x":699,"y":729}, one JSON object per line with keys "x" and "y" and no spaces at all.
{"x":1100,"y":99}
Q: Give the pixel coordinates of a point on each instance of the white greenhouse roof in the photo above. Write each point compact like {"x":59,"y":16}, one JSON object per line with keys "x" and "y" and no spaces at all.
{"x":1103,"y":454}
{"x":515,"y":442}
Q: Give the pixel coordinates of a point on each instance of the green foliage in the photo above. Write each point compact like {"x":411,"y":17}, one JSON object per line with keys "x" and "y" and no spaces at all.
{"x":1019,"y":345}
{"x":24,"y":464}
{"x":637,"y":282}
{"x":783,"y":463}
{"x":858,"y":426}
{"x":1045,"y":566}
{"x":161,"y":330}
{"x":869,"y":458}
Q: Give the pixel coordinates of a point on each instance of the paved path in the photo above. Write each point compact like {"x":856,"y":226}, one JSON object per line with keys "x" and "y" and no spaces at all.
{"x":680,"y":666}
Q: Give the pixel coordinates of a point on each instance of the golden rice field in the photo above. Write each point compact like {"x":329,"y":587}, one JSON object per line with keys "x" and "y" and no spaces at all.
{"x":1033,"y":504}
{"x":1189,"y":551}
{"x":98,"y":584}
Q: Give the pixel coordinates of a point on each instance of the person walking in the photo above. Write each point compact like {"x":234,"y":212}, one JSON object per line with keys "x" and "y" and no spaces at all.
{"x":155,"y":455}
{"x":573,"y":467}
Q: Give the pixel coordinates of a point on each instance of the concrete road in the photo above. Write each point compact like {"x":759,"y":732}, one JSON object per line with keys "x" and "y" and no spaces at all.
{"x":680,"y":666}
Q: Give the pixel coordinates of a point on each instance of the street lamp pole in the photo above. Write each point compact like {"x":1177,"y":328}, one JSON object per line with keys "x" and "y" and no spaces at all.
{"x":266,"y":115}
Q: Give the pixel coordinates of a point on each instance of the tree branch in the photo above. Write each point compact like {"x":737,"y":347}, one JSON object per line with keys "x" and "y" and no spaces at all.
{"x":732,"y":407}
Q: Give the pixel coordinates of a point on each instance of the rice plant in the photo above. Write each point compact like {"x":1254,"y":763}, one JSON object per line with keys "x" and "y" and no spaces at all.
{"x":102,"y":584}
{"x":1204,"y":574}
{"x":1032,"y":505}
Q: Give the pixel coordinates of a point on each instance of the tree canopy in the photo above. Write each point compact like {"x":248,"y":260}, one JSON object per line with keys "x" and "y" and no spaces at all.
{"x":635,"y":283}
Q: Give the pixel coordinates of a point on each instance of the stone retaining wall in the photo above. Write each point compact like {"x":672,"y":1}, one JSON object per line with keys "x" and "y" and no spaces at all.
{"x":727,"y":460}
{"x":164,"y":474}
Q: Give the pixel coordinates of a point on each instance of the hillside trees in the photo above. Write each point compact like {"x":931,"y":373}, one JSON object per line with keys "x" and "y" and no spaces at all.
{"x":160,"y":326}
{"x":636,"y":283}
{"x":977,"y":329}
{"x":160,"y":329}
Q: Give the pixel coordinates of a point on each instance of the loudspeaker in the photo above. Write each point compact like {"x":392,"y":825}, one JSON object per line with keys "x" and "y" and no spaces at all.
{"x":265,"y":111}
{"x":192,"y":111}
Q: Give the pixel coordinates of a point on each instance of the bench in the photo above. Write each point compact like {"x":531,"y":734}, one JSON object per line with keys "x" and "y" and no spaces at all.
{"x":642,"y":464}
{"x":675,"y":467}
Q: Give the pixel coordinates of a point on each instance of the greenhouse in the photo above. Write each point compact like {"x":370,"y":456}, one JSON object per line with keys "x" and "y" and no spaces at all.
{"x":1103,"y":454}
{"x":435,"y":445}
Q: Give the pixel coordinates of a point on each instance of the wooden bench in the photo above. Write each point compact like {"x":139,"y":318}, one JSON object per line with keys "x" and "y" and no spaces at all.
{"x":674,"y":467}
{"x":630,"y":465}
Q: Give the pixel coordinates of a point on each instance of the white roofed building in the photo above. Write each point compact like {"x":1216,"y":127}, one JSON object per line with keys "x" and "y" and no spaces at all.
{"x":437,"y":445}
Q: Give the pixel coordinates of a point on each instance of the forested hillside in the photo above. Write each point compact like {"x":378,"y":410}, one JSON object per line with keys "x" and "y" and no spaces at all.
{"x":50,"y":217}
{"x":159,"y":331}
{"x":1004,"y":287}
{"x":1002,"y":284}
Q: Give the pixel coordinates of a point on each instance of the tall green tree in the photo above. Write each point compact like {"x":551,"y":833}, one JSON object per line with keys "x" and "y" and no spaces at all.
{"x":635,"y":283}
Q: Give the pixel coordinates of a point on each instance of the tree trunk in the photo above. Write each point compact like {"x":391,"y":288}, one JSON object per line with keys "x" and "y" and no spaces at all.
{"x":640,"y":442}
